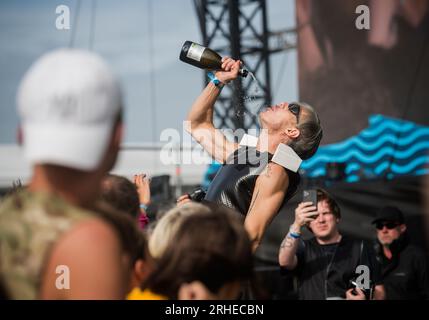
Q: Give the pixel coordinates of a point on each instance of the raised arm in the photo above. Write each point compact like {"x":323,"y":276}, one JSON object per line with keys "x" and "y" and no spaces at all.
{"x":200,"y":118}
{"x":270,"y":189}
{"x":304,"y":214}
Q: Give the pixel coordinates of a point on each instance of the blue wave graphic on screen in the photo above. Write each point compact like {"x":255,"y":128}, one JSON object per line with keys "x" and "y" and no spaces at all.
{"x":388,"y":147}
{"x":386,"y":138}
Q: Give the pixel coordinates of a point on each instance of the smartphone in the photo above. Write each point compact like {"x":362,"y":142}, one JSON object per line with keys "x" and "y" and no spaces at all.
{"x":310,"y":195}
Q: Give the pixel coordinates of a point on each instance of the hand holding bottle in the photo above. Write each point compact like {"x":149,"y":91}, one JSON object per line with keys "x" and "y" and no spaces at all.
{"x":204,"y":58}
{"x":230,"y":70}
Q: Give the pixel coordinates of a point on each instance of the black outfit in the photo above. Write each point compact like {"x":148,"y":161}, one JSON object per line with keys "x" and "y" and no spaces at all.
{"x":235,"y":181}
{"x":325,"y":271}
{"x":405,"y":275}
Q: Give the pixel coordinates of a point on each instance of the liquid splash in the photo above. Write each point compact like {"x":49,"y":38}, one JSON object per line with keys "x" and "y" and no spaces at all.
{"x":252,"y":104}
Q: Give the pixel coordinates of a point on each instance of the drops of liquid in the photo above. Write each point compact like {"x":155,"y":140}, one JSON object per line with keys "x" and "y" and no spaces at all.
{"x":258,"y":85}
{"x":240,"y":113}
{"x":253,"y":105}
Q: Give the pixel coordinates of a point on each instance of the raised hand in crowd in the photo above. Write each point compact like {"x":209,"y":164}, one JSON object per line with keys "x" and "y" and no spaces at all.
{"x":142,"y":182}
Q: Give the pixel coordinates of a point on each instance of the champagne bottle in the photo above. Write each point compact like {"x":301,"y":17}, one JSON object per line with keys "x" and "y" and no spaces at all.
{"x":204,"y":58}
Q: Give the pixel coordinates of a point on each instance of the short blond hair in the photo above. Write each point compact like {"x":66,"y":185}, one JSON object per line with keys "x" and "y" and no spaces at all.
{"x":168,"y":225}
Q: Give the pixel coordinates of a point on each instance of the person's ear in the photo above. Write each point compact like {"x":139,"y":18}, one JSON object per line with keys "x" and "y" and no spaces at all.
{"x":292,"y":133}
{"x":402,"y":228}
{"x":141,"y":270}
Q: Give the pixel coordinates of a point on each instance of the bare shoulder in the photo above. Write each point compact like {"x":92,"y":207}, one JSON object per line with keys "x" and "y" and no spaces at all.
{"x":274,"y":175}
{"x":89,"y":232}
{"x":87,"y":240}
{"x":82,"y":250}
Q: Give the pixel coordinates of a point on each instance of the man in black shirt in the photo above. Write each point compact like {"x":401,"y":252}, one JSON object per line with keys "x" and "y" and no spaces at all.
{"x":403,"y":266}
{"x":327,"y":263}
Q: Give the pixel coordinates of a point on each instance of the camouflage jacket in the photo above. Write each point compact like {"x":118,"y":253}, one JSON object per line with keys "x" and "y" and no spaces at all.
{"x":30,"y":223}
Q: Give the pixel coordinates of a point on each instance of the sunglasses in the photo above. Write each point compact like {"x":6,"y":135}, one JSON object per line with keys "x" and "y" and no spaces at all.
{"x":295,"y":108}
{"x":388,"y":225}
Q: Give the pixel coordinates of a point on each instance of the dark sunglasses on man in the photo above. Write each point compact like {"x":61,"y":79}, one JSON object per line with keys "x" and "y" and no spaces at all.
{"x":295,"y":108}
{"x":388,"y":224}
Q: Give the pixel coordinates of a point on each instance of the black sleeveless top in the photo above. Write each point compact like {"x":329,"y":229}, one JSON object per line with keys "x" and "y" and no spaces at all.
{"x":235,"y":181}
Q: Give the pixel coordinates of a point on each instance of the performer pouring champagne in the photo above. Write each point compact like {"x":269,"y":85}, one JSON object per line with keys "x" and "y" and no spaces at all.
{"x":255,"y":180}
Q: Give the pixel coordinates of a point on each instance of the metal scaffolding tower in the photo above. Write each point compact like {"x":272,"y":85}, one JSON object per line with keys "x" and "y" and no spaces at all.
{"x":238,"y":28}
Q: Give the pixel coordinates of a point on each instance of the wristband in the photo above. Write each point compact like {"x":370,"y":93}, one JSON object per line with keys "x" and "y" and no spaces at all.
{"x":294,"y":235}
{"x":215,"y":80}
{"x":143,"y":206}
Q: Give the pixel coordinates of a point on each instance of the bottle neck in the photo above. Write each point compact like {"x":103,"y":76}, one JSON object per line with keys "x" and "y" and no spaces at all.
{"x":243,"y":72}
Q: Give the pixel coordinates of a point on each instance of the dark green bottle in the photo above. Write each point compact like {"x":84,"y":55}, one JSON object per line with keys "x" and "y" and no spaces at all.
{"x":204,"y":58}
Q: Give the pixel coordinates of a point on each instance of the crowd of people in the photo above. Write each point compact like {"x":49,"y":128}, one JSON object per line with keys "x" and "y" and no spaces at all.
{"x":75,"y":231}
{"x":330,"y":265}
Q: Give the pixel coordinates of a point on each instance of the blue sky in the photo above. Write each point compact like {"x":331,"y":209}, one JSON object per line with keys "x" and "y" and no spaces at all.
{"x":27,"y":30}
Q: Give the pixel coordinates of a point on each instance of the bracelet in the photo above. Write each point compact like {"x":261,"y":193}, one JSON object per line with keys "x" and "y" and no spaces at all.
{"x":294,"y":235}
{"x":215,"y":80}
{"x":143,"y":206}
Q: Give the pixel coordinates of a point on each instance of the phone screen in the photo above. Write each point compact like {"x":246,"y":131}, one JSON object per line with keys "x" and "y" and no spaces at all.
{"x":310,"y":196}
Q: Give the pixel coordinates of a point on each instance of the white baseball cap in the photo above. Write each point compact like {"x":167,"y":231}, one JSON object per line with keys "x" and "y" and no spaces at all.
{"x":68,"y":102}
